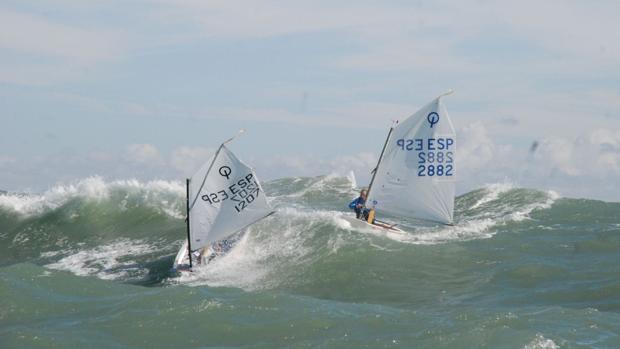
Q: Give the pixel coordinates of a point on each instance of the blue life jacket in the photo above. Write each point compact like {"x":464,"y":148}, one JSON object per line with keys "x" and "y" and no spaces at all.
{"x":357,"y":201}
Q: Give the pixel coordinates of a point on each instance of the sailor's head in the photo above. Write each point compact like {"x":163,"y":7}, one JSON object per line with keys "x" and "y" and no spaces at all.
{"x":363,"y":193}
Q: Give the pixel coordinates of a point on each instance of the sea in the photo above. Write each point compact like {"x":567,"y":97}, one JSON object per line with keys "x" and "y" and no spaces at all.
{"x":88,"y":265}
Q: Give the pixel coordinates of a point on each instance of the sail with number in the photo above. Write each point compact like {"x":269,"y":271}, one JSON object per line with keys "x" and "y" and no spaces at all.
{"x":415,"y":175}
{"x":225,"y":196}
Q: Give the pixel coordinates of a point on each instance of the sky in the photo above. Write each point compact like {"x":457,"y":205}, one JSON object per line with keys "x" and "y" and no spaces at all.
{"x":147,"y":89}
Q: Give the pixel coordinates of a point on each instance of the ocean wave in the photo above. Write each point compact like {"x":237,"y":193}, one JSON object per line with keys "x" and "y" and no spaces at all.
{"x":520,"y":266}
{"x":158,"y":193}
{"x":94,"y":227}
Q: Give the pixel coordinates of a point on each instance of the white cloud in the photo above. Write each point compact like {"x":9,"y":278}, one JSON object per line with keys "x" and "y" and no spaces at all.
{"x":236,"y":19}
{"x":586,"y":30}
{"x":525,"y":60}
{"x":37,"y":35}
{"x":433,"y":45}
{"x":475,"y":148}
{"x":143,"y":154}
{"x":187,"y":160}
{"x":594,"y":155}
{"x":557,"y":36}
{"x":585,"y":166}
{"x":312,"y":165}
{"x":549,"y":68}
{"x":37,"y":50}
{"x":360,"y":115}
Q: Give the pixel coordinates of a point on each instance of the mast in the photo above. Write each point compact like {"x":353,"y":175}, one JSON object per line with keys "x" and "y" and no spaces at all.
{"x":189,"y":244}
{"x":374,"y":174}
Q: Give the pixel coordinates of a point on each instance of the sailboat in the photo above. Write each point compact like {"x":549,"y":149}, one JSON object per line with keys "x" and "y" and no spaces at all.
{"x":414,"y":176}
{"x":222,"y":198}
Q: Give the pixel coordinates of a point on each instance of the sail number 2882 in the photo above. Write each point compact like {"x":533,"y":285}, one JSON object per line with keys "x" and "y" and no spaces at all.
{"x":437,"y":163}
{"x":435,"y":155}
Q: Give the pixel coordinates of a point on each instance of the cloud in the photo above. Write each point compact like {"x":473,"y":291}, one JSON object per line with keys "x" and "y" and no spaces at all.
{"x":475,"y":149}
{"x":313,"y":165}
{"x":37,"y":35}
{"x":37,"y":50}
{"x":502,"y":58}
{"x":481,"y":36}
{"x":528,"y":62}
{"x":360,"y":115}
{"x":585,"y":166}
{"x":187,"y":160}
{"x":522,"y":71}
{"x":143,"y":154}
{"x":235,"y":19}
{"x":594,"y":155}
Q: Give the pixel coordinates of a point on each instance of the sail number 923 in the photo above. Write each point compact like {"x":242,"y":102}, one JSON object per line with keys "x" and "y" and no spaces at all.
{"x":242,"y":193}
{"x":435,"y":155}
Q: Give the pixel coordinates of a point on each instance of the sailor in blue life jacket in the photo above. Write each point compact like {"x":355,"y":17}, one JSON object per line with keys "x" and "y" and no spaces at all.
{"x":358,"y":205}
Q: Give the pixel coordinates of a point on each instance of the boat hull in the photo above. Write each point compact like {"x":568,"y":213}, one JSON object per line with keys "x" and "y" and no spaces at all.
{"x":205,"y":255}
{"x":378,"y":226}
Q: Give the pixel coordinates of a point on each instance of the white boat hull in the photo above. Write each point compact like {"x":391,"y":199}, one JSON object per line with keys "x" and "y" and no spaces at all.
{"x":379,"y":226}
{"x":205,"y":255}
{"x":181,"y":261}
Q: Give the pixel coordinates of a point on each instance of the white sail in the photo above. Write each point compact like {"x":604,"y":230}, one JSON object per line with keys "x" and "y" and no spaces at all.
{"x":224,"y":197}
{"x":414,"y":178}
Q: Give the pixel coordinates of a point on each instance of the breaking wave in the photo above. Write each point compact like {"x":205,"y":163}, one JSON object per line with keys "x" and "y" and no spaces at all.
{"x":129,"y":230}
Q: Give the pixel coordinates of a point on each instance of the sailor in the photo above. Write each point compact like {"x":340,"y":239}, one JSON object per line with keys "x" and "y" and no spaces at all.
{"x":358,"y":205}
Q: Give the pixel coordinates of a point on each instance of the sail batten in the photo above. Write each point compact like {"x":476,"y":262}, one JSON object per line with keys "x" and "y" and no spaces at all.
{"x":226,"y":197}
{"x":415,"y":178}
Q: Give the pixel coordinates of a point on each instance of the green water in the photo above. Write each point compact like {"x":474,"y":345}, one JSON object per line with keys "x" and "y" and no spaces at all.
{"x":89,"y":266}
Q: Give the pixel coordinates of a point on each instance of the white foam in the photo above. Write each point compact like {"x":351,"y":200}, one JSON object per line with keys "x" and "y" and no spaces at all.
{"x":465,"y":231}
{"x":266,"y":252}
{"x":103,"y":261}
{"x":352,"y":180}
{"x":156,"y":194}
{"x":471,"y":228}
{"x":492,"y":192}
{"x":540,"y":342}
{"x":295,"y":237}
{"x":429,"y":235}
{"x":343,"y":223}
{"x":261,"y":259}
{"x":525,"y":212}
{"x":241,"y":267}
